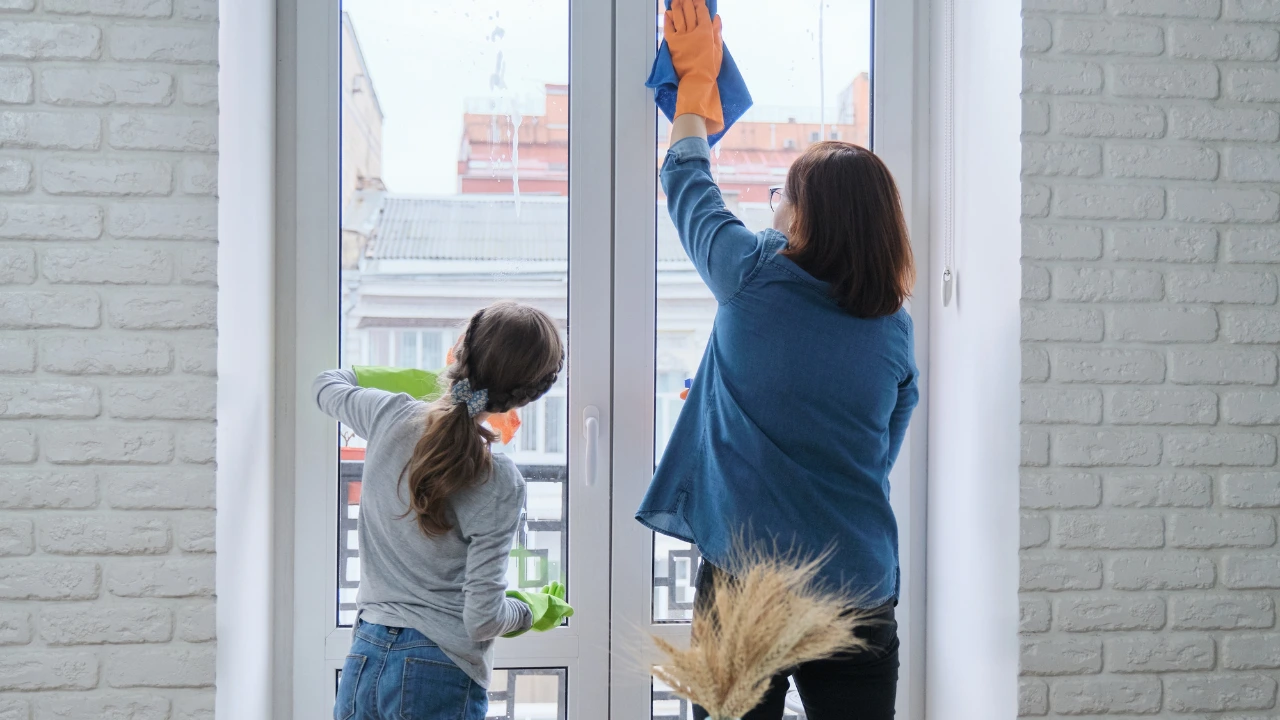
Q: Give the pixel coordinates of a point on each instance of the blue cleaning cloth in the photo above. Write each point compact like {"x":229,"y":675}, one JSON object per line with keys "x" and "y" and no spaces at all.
{"x":735,"y":100}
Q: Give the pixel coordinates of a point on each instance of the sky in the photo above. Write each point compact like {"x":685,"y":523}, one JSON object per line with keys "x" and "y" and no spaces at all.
{"x":428,"y":57}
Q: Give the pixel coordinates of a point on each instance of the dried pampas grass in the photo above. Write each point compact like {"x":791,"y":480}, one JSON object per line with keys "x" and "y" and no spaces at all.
{"x":767,"y":618}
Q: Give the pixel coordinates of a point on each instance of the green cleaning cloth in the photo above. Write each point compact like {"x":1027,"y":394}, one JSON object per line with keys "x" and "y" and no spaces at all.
{"x":547,"y":605}
{"x":420,"y":384}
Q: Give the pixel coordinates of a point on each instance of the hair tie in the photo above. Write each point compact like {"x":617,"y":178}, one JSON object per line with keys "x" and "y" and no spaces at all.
{"x":475,"y":400}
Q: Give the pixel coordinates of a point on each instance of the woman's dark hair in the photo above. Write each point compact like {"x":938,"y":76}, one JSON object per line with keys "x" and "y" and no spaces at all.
{"x":514,"y":353}
{"x":847,"y":228}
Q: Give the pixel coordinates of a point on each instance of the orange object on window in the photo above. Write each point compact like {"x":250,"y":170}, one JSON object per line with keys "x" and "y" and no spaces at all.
{"x":693,"y":37}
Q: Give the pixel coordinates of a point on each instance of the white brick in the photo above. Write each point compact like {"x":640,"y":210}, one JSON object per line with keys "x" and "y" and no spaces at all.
{"x":194,"y":707}
{"x":106,"y":624}
{"x":1035,"y":365}
{"x":16,"y":85}
{"x":1033,"y":697}
{"x":199,"y":9}
{"x":164,"y":43}
{"x":1150,"y":490}
{"x":1035,"y":200}
{"x":1072,"y":406}
{"x":17,"y":445}
{"x":124,"y":534}
{"x":1161,"y":80}
{"x":1088,"y":448}
{"x":48,"y":670}
{"x":1162,"y":162}
{"x":1224,"y":42}
{"x":1035,"y":117}
{"x":46,"y":579}
{"x":199,"y":356}
{"x":1108,"y":202}
{"x":107,"y":355}
{"x":92,"y":86}
{"x":17,"y":266}
{"x":164,"y":668}
{"x":1105,"y":695}
{"x":154,"y":400}
{"x":1160,"y":571}
{"x":15,"y":629}
{"x":1064,"y":6}
{"x":1163,"y":407}
{"x":1108,"y":365}
{"x":1061,"y":77}
{"x":1158,"y":653}
{"x":1252,"y":326}
{"x":147,"y":221}
{"x":1211,"y":123}
{"x":1217,"y":205}
{"x":200,"y":176}
{"x":1109,"y":613}
{"x":1221,"y":612}
{"x":1035,"y":448}
{"x":1254,"y":85}
{"x":1251,"y":489}
{"x":1037,"y":35}
{"x":1061,"y":656}
{"x":159,"y":489}
{"x":1083,"y":119}
{"x":1060,"y":571}
{"x":196,"y":443}
{"x":16,"y":537}
{"x":1058,"y":490}
{"x":24,"y":40}
{"x":1221,"y":530}
{"x":122,"y":8}
{"x":18,"y":354}
{"x":1163,"y":324}
{"x":196,"y":533}
{"x":1251,"y":571}
{"x":1165,"y":244}
{"x":161,"y":578}
{"x":108,"y":445}
{"x":56,"y":131}
{"x":1259,"y":10}
{"x":50,"y":222}
{"x":66,"y":309}
{"x":1208,"y":9}
{"x":1233,"y":366}
{"x":1219,"y":692}
{"x":65,"y":176}
{"x":16,"y":5}
{"x":1109,"y":532}
{"x":1102,"y":284}
{"x":163,"y":310}
{"x":196,"y":622}
{"x":107,"y":265}
{"x":1071,"y":159}
{"x":1253,"y":164}
{"x":1220,"y":449}
{"x":1109,"y":37}
{"x":1034,"y":531}
{"x":1059,"y":242}
{"x":1034,"y":615}
{"x":1251,"y":652}
{"x":15,"y":175}
{"x":104,"y":707}
{"x":200,"y":88}
{"x":1047,"y":323}
{"x":198,"y":265}
{"x":19,"y":399}
{"x":30,"y":490}
{"x":164,"y":132}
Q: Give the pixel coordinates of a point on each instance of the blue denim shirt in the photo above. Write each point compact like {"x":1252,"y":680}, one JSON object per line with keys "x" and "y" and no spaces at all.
{"x":796,"y":413}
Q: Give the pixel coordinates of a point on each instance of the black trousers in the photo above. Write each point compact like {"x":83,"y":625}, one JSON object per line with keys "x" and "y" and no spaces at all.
{"x":855,"y":685}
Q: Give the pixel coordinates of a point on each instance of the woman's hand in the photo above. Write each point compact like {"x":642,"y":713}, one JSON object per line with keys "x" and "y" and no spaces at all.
{"x":693,"y":37}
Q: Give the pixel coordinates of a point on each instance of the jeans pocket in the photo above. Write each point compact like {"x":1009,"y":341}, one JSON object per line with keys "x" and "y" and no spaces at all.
{"x":344,"y":707}
{"x":433,"y":689}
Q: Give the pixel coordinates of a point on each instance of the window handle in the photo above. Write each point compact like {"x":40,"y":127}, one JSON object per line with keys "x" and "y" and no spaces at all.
{"x":591,"y":448}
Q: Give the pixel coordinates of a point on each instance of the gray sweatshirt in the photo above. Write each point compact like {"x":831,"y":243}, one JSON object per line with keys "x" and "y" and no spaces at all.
{"x":451,"y":588}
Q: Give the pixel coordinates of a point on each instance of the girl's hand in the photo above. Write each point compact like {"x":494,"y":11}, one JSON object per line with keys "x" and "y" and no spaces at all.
{"x":693,"y":37}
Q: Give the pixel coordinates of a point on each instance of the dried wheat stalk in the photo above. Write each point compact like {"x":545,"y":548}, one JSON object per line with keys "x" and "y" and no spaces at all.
{"x":767,"y":618}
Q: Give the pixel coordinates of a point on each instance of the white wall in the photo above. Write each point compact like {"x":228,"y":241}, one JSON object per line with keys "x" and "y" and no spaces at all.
{"x":972,"y":647}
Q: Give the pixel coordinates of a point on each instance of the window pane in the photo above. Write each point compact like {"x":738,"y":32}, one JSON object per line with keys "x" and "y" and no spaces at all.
{"x":555,"y":424}
{"x":800,"y":97}
{"x":528,"y":694}
{"x":453,"y":199}
{"x":667,"y":705}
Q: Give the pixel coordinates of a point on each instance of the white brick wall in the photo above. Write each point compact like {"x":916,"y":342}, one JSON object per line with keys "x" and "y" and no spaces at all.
{"x":108,"y":168}
{"x":1151,"y":247}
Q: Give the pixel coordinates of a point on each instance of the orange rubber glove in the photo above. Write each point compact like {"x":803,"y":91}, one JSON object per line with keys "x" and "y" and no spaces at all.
{"x":693,"y":37}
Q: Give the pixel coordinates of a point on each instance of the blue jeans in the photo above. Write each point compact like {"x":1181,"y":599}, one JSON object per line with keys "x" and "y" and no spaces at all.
{"x":400,"y":674}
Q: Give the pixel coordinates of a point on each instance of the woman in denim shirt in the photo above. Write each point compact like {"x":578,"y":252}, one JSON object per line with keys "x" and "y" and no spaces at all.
{"x":803,"y":396}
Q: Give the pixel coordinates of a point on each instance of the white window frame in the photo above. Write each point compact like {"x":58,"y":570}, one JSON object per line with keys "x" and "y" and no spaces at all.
{"x":612,"y":199}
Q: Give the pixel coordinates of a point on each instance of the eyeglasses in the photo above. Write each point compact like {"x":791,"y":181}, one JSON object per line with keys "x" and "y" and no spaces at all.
{"x":776,"y":192}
